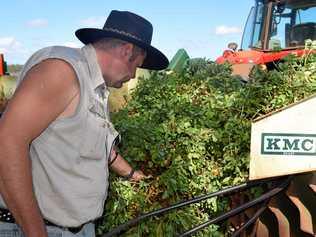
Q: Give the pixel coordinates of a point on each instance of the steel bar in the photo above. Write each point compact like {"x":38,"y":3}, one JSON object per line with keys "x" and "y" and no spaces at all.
{"x":123,"y":227}
{"x":239,"y":209}
{"x":251,"y":220}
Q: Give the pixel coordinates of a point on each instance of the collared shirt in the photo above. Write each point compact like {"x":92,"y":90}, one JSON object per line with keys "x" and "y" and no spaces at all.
{"x":70,"y":157}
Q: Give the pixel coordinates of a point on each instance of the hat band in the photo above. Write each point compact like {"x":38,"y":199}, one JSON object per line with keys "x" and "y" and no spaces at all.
{"x":122,"y":33}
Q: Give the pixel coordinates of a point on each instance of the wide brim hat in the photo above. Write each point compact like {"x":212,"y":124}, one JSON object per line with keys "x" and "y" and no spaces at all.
{"x":129,"y":27}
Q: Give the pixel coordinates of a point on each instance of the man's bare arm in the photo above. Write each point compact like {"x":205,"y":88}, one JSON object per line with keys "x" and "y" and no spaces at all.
{"x":43,"y":96}
{"x":122,"y":168}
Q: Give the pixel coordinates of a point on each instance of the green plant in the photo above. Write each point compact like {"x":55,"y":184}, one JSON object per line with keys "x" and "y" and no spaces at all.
{"x":191,"y":131}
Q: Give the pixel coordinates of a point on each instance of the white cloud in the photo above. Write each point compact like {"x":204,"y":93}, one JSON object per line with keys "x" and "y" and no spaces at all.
{"x":36,"y":23}
{"x":13,"y":50}
{"x":72,"y":44}
{"x":9,"y":44}
{"x":94,"y":21}
{"x":226,"y":30}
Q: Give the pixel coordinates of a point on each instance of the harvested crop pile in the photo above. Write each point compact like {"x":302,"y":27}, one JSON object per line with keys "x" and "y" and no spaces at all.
{"x":191,"y":132}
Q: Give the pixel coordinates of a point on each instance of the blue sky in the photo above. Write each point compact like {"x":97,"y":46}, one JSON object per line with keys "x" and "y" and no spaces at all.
{"x":202,"y":27}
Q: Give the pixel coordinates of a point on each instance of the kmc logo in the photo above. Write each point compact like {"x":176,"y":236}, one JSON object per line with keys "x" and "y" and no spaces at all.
{"x":288,"y":144}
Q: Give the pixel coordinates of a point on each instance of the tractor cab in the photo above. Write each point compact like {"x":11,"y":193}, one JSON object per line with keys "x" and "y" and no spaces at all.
{"x":274,"y":29}
{"x":280,"y":25}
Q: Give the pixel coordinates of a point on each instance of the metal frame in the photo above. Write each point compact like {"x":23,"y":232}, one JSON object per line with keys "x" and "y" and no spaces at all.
{"x":267,"y":26}
{"x":278,"y":185}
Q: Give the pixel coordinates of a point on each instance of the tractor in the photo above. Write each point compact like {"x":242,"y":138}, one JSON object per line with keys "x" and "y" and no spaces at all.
{"x":274,"y":29}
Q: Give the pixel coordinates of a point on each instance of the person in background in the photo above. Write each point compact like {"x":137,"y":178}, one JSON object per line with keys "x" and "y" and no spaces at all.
{"x":56,"y":138}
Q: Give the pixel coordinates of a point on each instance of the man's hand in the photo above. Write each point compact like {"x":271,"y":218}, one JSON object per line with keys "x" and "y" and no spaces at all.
{"x":138,"y":175}
{"x":122,"y":168}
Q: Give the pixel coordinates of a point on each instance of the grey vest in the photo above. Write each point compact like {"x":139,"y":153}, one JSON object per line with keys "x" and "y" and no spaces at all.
{"x":70,"y":157}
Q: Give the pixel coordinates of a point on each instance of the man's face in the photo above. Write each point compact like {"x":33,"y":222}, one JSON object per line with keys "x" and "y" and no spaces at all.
{"x":123,"y":68}
{"x":129,"y":70}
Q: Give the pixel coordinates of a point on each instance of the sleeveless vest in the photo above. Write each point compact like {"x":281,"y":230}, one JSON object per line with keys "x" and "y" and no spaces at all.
{"x":70,"y":157}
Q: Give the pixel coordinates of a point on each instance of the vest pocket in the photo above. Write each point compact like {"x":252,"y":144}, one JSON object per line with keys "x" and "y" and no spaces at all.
{"x":94,"y":140}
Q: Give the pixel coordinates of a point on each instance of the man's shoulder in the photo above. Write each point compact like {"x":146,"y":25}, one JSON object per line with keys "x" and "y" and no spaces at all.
{"x":60,"y":52}
{"x":70,"y":55}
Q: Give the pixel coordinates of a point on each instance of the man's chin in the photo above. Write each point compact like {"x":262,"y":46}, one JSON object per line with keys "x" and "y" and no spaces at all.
{"x":121,"y":84}
{"x":118,"y":85}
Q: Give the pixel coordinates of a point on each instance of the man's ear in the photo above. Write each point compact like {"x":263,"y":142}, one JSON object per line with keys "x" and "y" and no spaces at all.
{"x":127,"y":51}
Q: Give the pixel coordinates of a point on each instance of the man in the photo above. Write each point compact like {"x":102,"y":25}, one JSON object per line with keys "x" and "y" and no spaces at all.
{"x":56,"y":138}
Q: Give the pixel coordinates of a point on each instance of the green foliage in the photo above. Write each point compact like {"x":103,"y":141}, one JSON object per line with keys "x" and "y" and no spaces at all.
{"x":191,"y":132}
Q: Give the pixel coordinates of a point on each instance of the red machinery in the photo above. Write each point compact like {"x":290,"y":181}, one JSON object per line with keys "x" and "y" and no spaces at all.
{"x":274,"y":29}
{"x":2,"y":65}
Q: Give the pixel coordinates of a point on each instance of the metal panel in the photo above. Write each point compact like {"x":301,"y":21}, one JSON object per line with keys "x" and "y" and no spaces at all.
{"x":284,"y":142}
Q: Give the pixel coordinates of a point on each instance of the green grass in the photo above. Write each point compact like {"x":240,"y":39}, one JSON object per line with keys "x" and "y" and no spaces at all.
{"x":7,"y":86}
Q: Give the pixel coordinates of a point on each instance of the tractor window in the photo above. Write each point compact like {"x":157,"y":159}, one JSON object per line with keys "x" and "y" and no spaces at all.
{"x":291,"y":25}
{"x":246,"y":37}
{"x":304,"y":27}
{"x":306,"y":15}
{"x":258,"y":28}
{"x":281,"y":20}
{"x":253,"y":28}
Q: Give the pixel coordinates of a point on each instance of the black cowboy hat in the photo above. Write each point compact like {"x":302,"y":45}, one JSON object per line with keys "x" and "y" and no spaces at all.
{"x":129,"y":27}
